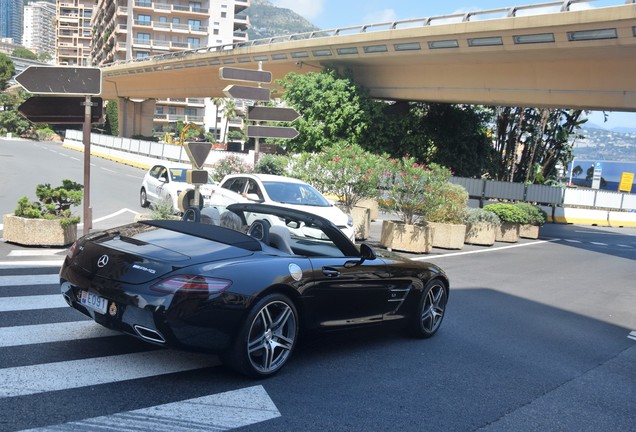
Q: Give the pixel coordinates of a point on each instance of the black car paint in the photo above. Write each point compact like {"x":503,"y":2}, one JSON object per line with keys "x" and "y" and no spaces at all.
{"x":332,"y":293}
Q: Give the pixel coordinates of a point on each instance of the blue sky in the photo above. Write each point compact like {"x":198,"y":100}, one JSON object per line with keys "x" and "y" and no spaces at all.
{"x":330,"y":14}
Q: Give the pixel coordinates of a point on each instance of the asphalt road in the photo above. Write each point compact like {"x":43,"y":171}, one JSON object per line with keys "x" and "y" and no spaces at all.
{"x":536,"y":337}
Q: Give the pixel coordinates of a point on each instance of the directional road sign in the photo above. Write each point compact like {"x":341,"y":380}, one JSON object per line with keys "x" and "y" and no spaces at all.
{"x":271,"y":132}
{"x":274,"y":114}
{"x":250,"y":75}
{"x":246,"y":92}
{"x":60,"y":109}
{"x":61,"y":80}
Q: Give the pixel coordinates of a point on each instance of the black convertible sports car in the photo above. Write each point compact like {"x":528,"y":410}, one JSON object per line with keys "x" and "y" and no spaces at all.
{"x":246,"y":294}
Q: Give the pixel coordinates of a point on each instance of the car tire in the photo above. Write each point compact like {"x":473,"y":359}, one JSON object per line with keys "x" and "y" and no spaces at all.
{"x":143,"y":198}
{"x":430,"y":310}
{"x":267,"y":338}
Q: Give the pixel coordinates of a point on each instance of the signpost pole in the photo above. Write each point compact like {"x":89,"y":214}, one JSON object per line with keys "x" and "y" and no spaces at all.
{"x":88,"y":216}
{"x":257,"y":140}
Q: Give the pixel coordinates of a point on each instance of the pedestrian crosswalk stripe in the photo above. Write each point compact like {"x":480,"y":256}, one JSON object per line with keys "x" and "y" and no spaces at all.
{"x":37,"y":252}
{"x":56,"y":332}
{"x":219,"y":412}
{"x":23,"y":303}
{"x":46,"y":279}
{"x":40,"y":378}
{"x":31,"y":264}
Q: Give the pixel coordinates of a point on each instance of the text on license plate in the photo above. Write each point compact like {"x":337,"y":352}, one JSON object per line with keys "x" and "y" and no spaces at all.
{"x":94,"y":302}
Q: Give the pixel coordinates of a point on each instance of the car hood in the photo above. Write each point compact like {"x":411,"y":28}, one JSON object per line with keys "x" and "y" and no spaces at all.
{"x":138,"y":253}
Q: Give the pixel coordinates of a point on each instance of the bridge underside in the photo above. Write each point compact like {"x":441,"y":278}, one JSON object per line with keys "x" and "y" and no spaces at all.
{"x":584,"y":59}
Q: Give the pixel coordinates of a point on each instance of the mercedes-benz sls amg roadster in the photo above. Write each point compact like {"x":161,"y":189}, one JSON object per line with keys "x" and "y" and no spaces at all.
{"x":246,"y":292}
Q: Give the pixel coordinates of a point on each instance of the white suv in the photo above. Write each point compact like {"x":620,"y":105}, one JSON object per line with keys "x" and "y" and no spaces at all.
{"x":168,"y":181}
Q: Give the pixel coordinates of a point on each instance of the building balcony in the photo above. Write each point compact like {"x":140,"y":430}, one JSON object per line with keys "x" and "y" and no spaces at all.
{"x":240,"y":5}
{"x":181,"y":10}
{"x":173,"y":118}
{"x":241,"y":22}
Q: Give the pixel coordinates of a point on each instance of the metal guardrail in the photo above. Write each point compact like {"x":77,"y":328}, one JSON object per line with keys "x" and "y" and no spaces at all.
{"x":507,"y":12}
{"x":476,"y":188}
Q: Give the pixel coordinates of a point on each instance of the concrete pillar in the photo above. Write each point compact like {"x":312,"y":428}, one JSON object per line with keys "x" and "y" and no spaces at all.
{"x":135,"y":117}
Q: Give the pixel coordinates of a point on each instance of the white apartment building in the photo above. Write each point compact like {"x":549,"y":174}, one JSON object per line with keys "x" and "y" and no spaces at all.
{"x":130,"y":29}
{"x":38,"y":33}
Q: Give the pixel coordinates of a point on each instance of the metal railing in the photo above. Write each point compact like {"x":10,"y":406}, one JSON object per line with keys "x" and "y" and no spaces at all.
{"x":482,"y":190}
{"x":508,"y":12}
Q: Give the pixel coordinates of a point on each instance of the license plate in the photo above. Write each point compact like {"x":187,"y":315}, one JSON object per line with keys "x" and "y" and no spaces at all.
{"x":93,"y":301}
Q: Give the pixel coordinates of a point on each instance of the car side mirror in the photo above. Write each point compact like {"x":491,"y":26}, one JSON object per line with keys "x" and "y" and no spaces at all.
{"x":253,"y":197}
{"x":367,"y":252}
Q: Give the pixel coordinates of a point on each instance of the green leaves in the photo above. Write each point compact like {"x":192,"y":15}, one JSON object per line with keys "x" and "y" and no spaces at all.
{"x":54,"y":203}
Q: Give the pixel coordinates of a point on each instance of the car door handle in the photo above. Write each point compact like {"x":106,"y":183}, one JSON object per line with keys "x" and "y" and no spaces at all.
{"x":330,"y":272}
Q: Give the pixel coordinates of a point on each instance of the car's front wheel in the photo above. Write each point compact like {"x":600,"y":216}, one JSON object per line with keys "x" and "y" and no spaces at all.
{"x":143,"y":198}
{"x":267,"y":338}
{"x":430,"y":311}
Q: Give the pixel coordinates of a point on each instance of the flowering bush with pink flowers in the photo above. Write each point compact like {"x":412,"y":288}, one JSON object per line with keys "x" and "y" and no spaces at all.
{"x":412,"y":190}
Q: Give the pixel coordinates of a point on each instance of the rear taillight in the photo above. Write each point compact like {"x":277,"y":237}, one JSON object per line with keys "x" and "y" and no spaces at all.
{"x":71,"y":251}
{"x":191,"y":284}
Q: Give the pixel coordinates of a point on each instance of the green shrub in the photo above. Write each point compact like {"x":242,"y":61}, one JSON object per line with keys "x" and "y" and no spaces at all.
{"x":45,"y":134}
{"x":54,"y":203}
{"x":162,"y":209}
{"x":272,"y":164}
{"x":508,"y":213}
{"x":476,"y":215}
{"x":454,"y":202}
{"x":536,"y":215}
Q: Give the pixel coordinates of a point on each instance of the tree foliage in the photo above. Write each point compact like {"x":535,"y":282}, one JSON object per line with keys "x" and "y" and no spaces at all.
{"x":24,"y":53}
{"x":332,"y":108}
{"x":7,"y":70}
{"x":111,"y":125}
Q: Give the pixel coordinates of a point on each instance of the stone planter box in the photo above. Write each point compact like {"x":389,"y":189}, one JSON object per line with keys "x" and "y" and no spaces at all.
{"x":407,"y":238}
{"x":508,"y":232}
{"x":529,"y":231}
{"x":361,"y":222}
{"x":447,"y":236}
{"x":372,"y":205}
{"x":37,"y":232}
{"x":481,"y":233}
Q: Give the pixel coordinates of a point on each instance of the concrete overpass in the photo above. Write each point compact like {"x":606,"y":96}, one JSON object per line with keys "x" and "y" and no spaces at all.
{"x":521,"y":56}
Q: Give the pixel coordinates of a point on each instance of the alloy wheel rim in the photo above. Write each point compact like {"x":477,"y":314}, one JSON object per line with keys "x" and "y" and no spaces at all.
{"x":433,"y":310}
{"x":271,"y":337}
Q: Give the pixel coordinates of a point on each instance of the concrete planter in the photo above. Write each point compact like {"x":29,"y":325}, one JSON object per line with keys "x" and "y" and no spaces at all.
{"x":361,"y":222}
{"x":529,"y":231}
{"x":37,"y":232}
{"x":372,"y":205}
{"x":508,"y":232}
{"x":407,"y":238}
{"x":481,"y":233}
{"x":447,"y":236}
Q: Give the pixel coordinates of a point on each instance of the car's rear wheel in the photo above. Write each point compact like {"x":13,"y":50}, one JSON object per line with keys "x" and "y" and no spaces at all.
{"x":430,"y":311}
{"x":143,"y":198}
{"x":267,"y":338}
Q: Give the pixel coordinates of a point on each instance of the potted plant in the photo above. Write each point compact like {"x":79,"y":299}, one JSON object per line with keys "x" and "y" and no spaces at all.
{"x":410,"y":190}
{"x":536,"y":218}
{"x":47,"y":222}
{"x":446,"y":220}
{"x":481,"y":226}
{"x":511,"y":218}
{"x":346,"y":172}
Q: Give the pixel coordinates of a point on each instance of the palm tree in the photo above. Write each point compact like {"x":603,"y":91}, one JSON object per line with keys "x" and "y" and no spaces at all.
{"x":217,"y":101}
{"x":229,"y":111}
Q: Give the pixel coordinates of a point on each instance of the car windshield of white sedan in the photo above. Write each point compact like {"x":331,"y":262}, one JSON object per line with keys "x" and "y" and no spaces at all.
{"x":178,"y":174}
{"x":295,"y":193}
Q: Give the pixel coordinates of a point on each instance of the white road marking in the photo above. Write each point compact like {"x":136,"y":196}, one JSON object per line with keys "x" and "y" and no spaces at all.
{"x":219,"y":412}
{"x":625,"y":246}
{"x":20,"y":264}
{"x":117,"y":213}
{"x":39,"y":252}
{"x":40,"y":378}
{"x":27,"y":280}
{"x":426,"y":258}
{"x":109,"y":170}
{"x":632,"y":335}
{"x":23,"y":303}
{"x":56,"y":332}
{"x":573,"y":241}
{"x":599,"y":243}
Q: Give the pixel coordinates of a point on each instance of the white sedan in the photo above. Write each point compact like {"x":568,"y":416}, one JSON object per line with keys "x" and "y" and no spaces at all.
{"x":168,"y":181}
{"x":282,"y":191}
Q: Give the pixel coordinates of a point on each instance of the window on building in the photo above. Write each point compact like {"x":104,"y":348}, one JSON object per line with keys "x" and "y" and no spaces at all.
{"x":223,"y":14}
{"x":172,"y":110}
{"x":194,"y":42}
{"x":215,"y":31}
{"x":141,"y":54}
{"x":195,"y":6}
{"x":158,"y":110}
{"x":176,"y":20}
{"x":190,"y":111}
{"x":195,"y":24}
{"x":143,"y":19}
{"x":143,"y":37}
{"x":163,"y":19}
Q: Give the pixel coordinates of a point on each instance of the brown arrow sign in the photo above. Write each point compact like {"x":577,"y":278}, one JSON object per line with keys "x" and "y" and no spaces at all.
{"x":251,"y":75}
{"x":246,"y":92}
{"x":61,"y":80}
{"x":274,"y":114}
{"x":59,"y":109}
{"x":271,"y":132}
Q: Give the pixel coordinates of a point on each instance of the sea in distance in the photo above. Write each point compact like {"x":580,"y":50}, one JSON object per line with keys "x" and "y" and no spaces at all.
{"x":611,"y":172}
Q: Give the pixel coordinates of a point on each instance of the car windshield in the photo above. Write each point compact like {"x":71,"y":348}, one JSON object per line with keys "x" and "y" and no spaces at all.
{"x":178,"y":174}
{"x":295,"y":193}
